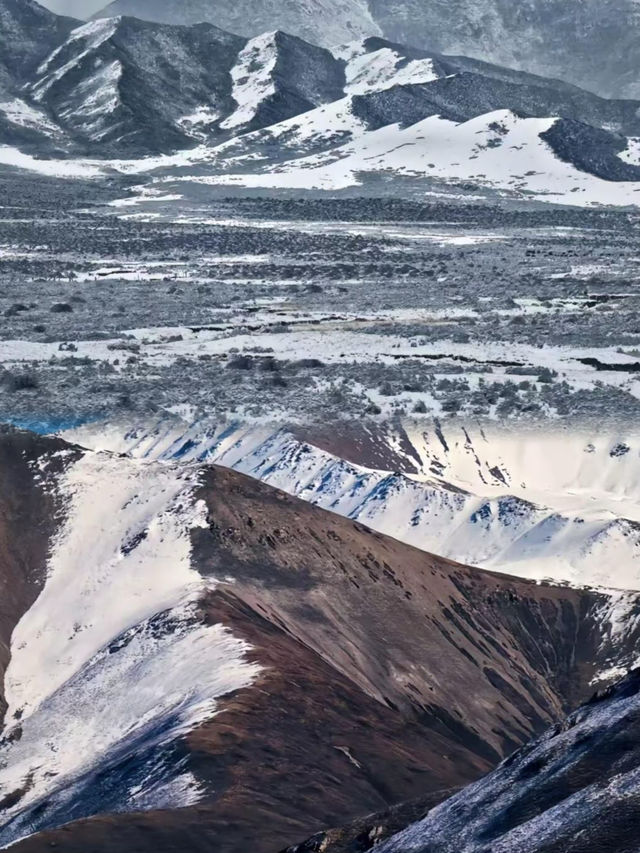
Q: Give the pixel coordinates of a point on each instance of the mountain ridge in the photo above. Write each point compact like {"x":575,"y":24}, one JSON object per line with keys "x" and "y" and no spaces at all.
{"x":381,"y":707}
{"x":584,"y":42}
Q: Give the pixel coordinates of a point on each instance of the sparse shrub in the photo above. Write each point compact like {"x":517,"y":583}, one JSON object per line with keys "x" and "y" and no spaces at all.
{"x":240,"y":362}
{"x":23,"y":381}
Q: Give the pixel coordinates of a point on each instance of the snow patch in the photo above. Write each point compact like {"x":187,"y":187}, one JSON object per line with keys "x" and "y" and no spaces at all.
{"x":114,"y":655}
{"x":384,"y":68}
{"x":252,"y":79}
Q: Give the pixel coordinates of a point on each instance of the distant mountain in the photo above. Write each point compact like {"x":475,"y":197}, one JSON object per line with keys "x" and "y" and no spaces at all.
{"x":325,"y":22}
{"x":275,"y":110}
{"x":130,"y":85}
{"x":592,"y":44}
{"x":193,"y":660}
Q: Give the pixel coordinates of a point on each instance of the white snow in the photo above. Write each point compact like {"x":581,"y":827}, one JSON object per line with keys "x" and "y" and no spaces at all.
{"x":114,"y":648}
{"x":541,"y":505}
{"x":382,"y":69}
{"x":21,"y":113}
{"x":632,"y":152}
{"x":499,"y":150}
{"x":252,"y":78}
{"x":91,"y":35}
{"x":10,"y":156}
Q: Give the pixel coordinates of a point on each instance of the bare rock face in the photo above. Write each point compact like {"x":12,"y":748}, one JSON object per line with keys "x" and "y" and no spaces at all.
{"x":199,"y":660}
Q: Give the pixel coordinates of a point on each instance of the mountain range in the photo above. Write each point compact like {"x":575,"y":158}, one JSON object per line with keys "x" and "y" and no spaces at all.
{"x":586,"y":42}
{"x":221,"y":665}
{"x":275,"y":110}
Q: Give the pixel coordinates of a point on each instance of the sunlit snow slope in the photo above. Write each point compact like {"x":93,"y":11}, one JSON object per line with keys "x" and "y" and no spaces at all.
{"x":537,"y":504}
{"x":113,"y":659}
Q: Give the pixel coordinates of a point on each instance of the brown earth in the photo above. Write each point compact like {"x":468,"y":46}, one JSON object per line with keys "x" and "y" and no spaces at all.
{"x":389,"y":674}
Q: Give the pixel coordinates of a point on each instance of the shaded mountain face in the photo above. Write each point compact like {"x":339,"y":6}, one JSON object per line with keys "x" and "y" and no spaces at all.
{"x":28,"y":32}
{"x":128,"y":85}
{"x":591,"y":44}
{"x":574,"y":789}
{"x":199,"y":660}
{"x":136,"y":84}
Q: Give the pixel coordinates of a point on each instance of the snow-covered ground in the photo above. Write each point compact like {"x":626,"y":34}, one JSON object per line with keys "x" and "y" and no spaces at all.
{"x":517,"y":161}
{"x":514,"y":161}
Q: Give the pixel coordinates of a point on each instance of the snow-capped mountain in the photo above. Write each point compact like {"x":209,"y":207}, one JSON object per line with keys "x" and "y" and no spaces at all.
{"x":277,"y":111}
{"x":136,"y":84}
{"x":126,"y":84}
{"x":475,"y":495}
{"x":184,"y":642}
{"x":277,"y":76}
{"x":589,"y":43}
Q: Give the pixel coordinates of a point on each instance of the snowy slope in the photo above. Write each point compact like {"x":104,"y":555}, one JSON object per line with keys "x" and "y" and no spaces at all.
{"x":279,"y":112}
{"x":372,"y":65}
{"x":498,"y":151}
{"x":114,"y":658}
{"x":574,"y":789}
{"x":543,"y":506}
{"x":278,"y":76}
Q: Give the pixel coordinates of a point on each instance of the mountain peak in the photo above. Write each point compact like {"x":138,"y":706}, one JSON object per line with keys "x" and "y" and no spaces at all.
{"x":326,"y":22}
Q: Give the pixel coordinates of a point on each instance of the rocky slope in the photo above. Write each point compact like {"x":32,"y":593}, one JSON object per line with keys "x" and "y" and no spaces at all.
{"x":582,"y":41}
{"x":137,"y":85}
{"x":574,"y":789}
{"x":326,"y":22}
{"x":194,"y":663}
